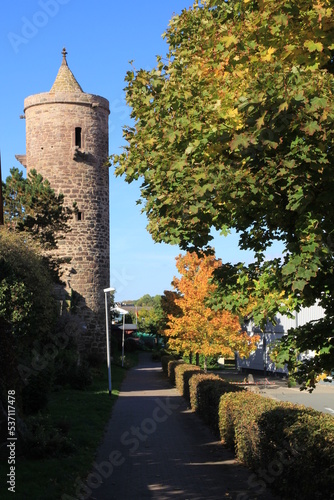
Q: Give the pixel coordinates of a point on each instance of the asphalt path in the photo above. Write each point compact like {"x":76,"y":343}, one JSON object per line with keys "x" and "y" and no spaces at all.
{"x":156,"y":448}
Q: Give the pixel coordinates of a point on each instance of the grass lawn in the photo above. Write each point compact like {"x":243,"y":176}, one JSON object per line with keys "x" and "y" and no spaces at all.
{"x":85,"y":414}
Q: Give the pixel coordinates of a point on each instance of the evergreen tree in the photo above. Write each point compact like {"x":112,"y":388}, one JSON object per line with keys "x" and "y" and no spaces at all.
{"x":31,"y":205}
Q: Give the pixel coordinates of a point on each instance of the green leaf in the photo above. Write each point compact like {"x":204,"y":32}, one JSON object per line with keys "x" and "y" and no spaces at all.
{"x":311,"y":127}
{"x":189,"y":149}
{"x":313,"y":46}
{"x":240,"y":140}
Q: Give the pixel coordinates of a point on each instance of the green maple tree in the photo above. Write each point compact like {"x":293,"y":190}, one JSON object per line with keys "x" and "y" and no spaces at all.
{"x":149,"y":319}
{"x":234,"y":129}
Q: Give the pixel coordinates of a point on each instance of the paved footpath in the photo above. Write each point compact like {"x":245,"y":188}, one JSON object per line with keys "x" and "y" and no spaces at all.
{"x":155,"y":447}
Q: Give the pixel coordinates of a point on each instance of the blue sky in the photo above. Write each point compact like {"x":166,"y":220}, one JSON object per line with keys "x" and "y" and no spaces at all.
{"x":101,"y":38}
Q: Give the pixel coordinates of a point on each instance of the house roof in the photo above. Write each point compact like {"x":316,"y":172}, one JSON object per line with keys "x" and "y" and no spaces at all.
{"x":127,"y":326}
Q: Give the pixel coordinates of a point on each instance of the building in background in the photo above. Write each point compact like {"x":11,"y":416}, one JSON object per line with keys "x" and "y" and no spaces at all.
{"x":259,"y":360}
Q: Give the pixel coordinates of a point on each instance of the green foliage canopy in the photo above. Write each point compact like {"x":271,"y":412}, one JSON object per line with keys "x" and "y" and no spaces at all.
{"x":237,"y":117}
{"x":149,"y":313}
{"x":148,"y":301}
{"x":27,"y":303}
{"x":27,"y":307}
{"x":149,"y":320}
{"x":234,"y":129}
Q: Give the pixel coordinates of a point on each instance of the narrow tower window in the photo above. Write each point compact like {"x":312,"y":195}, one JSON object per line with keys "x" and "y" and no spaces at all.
{"x":78,"y":136}
{"x":79,"y":216}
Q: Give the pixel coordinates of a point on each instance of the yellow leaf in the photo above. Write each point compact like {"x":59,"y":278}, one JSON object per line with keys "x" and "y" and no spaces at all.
{"x":260,"y":121}
{"x":231,"y":113}
{"x":218,"y":104}
{"x":230,"y":40}
{"x":283,"y":107}
{"x":268,"y":55}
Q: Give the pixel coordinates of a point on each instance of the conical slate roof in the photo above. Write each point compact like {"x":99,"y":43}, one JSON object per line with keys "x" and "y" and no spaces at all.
{"x":65,"y":80}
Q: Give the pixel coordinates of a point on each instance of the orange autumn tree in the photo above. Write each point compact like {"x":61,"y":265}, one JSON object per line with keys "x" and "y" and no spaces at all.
{"x":199,"y":329}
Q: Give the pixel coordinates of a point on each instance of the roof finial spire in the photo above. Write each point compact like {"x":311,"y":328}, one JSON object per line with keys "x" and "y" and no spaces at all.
{"x":64,"y":56}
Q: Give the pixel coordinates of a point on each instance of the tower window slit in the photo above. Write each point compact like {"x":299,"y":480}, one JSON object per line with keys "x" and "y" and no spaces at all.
{"x":78,"y":136}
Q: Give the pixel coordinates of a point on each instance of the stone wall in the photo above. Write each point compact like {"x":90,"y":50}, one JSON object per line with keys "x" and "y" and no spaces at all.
{"x":67,"y":143}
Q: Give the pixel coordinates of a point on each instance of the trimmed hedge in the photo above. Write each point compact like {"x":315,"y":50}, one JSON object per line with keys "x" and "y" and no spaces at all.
{"x":232,"y":407}
{"x":183,"y":374}
{"x":164,"y":363}
{"x":205,"y":393}
{"x":307,"y":458}
{"x":171,"y":369}
{"x":247,"y":430}
{"x":291,"y":447}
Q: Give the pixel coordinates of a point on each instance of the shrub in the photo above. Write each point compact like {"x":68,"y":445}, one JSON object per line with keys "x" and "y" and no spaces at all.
{"x":131,"y":344}
{"x":171,"y":369}
{"x":35,"y":393}
{"x":300,"y":441}
{"x":183,"y":373}
{"x":27,"y":303}
{"x":94,"y":359}
{"x":43,"y":440}
{"x":231,"y":408}
{"x":205,"y":393}
{"x":80,"y":377}
{"x":65,"y":363}
{"x":247,"y":430}
{"x":164,"y":362}
{"x":27,"y":315}
{"x":292,"y":444}
{"x":68,"y":371}
{"x":113,"y":346}
{"x":156,"y":355}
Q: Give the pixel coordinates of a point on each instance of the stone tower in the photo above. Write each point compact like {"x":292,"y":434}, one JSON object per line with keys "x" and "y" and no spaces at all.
{"x":67,"y":143}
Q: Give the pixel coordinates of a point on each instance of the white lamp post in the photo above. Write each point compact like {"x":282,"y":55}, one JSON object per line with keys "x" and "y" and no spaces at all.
{"x":106,"y":291}
{"x":123,"y":312}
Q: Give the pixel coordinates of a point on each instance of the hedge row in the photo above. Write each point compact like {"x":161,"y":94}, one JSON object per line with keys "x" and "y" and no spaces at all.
{"x":172,"y":366}
{"x":289,"y":447}
{"x":205,"y":393}
{"x":183,"y":373}
{"x":164,"y":363}
{"x":201,"y":390}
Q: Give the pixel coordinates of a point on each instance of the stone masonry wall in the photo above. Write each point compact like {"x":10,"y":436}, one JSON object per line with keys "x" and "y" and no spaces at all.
{"x":81,"y":175}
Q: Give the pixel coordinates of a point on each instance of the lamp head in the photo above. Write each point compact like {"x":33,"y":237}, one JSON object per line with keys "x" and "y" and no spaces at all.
{"x":106,"y":290}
